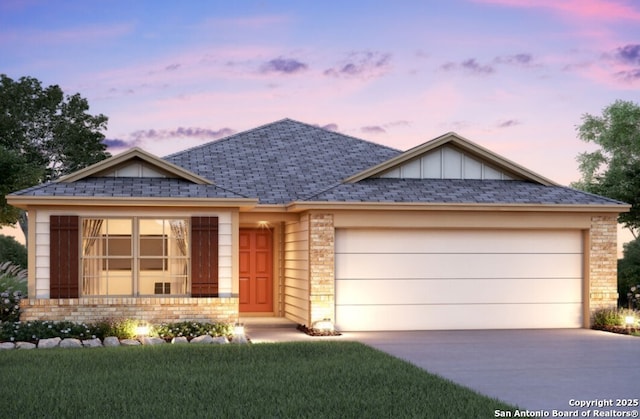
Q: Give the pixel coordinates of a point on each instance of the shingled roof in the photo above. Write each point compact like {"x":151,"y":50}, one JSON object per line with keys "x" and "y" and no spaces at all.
{"x":289,"y":161}
{"x":283,"y":161}
{"x":458,"y":191}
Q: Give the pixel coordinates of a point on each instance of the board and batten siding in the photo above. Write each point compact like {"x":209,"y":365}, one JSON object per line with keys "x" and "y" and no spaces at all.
{"x":41,"y":235}
{"x":296,"y":270}
{"x":458,"y":279}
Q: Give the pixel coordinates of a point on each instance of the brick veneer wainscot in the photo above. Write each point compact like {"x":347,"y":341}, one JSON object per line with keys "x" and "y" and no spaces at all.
{"x":153,"y":310}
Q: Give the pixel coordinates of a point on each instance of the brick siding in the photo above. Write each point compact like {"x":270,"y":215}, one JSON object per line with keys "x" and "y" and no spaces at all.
{"x":603,"y":263}
{"x":321,"y":267}
{"x":153,"y":310}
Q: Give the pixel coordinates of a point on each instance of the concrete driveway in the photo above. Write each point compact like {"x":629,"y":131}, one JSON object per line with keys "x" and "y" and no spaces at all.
{"x":541,"y":370}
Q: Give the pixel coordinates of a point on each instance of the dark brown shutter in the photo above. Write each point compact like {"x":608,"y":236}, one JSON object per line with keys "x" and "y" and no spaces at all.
{"x":204,"y":256}
{"x":64,"y":256}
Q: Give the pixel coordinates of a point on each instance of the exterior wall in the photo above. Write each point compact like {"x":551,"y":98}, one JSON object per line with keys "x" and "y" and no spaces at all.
{"x":153,"y":310}
{"x":296,"y":270}
{"x":321,"y":267}
{"x":603,"y":263}
{"x":39,"y":232}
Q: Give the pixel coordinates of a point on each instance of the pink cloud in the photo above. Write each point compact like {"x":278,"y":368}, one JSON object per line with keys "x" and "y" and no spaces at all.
{"x":586,"y":9}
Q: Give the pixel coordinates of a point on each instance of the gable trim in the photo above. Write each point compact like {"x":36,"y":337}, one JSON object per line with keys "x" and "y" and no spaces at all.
{"x":131,"y":154}
{"x":463,"y":144}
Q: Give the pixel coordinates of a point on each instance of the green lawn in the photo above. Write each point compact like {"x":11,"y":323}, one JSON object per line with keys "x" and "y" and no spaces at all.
{"x":292,"y":380}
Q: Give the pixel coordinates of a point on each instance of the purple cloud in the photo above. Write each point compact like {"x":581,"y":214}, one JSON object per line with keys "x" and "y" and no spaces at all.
{"x":181,"y":132}
{"x":361,"y":64}
{"x":117,"y":143}
{"x":629,"y":54}
{"x":470,"y":65}
{"x":517,"y":59}
{"x":473,"y":66}
{"x":629,"y":76}
{"x":283,"y":65}
{"x":172,"y":67}
{"x":373,"y":129}
{"x":330,"y":127}
{"x":509,"y":123}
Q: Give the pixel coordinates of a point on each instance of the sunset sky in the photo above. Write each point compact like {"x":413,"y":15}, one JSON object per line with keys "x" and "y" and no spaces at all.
{"x":514,"y":76}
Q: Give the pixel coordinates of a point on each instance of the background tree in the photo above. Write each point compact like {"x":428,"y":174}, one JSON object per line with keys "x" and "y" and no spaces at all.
{"x":613,"y":170}
{"x":12,"y":251}
{"x":629,"y":270}
{"x":43,"y":135}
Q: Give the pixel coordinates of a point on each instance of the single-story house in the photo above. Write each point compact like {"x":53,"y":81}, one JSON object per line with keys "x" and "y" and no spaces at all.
{"x":291,"y":220}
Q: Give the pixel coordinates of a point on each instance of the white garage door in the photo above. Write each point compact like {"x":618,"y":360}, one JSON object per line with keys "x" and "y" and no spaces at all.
{"x":454,"y":279}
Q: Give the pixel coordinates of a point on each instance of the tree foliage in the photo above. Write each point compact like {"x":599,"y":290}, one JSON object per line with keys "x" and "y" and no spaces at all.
{"x":13,"y":251}
{"x":629,"y":270}
{"x":43,"y":135}
{"x":613,"y":170}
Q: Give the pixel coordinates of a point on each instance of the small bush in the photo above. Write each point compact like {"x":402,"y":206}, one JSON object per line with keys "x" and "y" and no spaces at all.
{"x":192,"y":329}
{"x":33,"y":331}
{"x":607,"y":317}
{"x":615,"y":320}
{"x":13,"y":288}
{"x":120,"y":328}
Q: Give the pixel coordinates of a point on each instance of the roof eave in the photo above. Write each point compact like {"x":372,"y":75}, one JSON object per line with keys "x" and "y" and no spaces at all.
{"x":299,"y":206}
{"x":22,"y":202}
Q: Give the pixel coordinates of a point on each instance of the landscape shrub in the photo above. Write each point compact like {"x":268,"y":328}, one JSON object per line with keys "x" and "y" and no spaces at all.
{"x":13,"y":287}
{"x":119,"y":327}
{"x":192,"y":329}
{"x":615,"y":320}
{"x":33,"y":331}
{"x":607,"y":317}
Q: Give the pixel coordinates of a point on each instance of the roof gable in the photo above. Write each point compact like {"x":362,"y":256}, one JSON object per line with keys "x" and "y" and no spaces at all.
{"x":135,"y":163}
{"x":450,"y":156}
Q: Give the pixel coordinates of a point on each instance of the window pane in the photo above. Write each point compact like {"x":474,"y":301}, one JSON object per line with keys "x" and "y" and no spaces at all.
{"x":159,"y":250}
{"x":118,"y":246}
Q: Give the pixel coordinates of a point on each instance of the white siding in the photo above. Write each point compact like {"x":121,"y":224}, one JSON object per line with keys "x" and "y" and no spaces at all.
{"x":446,"y":163}
{"x":296,"y":270}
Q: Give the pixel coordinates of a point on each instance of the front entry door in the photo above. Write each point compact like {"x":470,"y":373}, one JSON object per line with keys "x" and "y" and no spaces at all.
{"x":256,"y":270}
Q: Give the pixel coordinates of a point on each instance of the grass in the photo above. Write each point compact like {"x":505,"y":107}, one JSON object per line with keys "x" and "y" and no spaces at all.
{"x":284,"y":380}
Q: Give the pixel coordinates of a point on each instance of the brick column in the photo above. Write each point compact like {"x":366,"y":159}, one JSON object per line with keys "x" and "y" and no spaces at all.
{"x":603,"y":263}
{"x":321,"y":267}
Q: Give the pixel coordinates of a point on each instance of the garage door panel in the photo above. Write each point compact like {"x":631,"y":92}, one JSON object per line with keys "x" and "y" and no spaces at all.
{"x":458,"y":279}
{"x":463,"y":291}
{"x":459,"y":241}
{"x":418,"y":266}
{"x":450,"y":317}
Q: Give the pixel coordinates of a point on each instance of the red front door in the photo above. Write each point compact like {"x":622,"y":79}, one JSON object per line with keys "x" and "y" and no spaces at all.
{"x":256,"y":270}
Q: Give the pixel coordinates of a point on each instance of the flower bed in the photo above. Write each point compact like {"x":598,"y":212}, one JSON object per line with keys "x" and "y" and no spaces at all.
{"x":122,"y":329}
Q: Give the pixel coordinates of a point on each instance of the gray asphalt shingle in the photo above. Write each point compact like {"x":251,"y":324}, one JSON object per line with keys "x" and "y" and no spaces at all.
{"x":289,"y":161}
{"x":458,"y":191}
{"x":130,"y":188}
{"x":282,"y":162}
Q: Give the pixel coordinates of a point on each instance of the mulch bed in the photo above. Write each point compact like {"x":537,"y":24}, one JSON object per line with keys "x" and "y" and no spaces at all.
{"x":315,"y":332}
{"x":635,"y":331}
